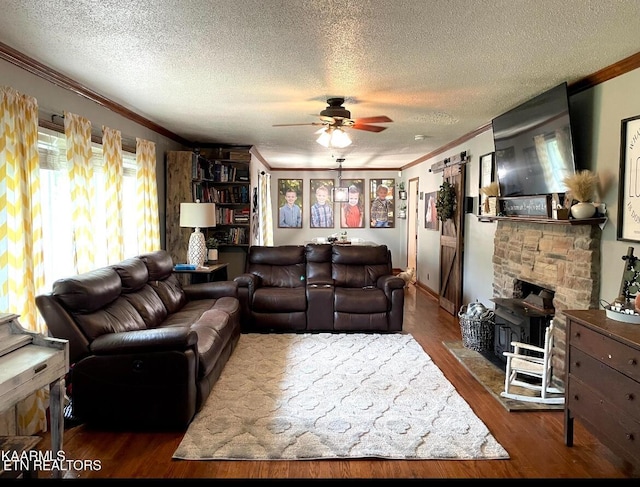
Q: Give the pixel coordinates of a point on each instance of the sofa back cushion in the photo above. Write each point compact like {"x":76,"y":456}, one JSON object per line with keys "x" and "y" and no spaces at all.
{"x":135,"y":276}
{"x":94,"y":301}
{"x":318,"y":263}
{"x":359,"y":265}
{"x":163,"y":281}
{"x":282,"y":266}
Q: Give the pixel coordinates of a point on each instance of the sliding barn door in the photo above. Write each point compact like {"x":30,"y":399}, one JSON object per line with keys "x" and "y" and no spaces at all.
{"x":451,"y":244}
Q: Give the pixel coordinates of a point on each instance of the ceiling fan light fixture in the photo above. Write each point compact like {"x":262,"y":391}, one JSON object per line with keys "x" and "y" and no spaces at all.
{"x":334,"y":138}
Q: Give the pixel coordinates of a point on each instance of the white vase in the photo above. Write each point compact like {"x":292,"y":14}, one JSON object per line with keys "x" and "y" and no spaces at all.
{"x":213,"y":255}
{"x":583,"y":210}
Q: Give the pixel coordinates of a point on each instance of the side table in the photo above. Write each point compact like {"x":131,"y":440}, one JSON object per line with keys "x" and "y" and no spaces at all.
{"x":208,"y":273}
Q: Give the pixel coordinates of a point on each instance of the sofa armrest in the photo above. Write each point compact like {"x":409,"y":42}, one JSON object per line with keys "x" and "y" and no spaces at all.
{"x":388,"y":283}
{"x":250,"y":281}
{"x":151,"y":340}
{"x":209,"y":290}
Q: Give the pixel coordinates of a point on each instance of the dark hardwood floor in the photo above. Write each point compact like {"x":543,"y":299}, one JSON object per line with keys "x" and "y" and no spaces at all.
{"x":534,"y":440}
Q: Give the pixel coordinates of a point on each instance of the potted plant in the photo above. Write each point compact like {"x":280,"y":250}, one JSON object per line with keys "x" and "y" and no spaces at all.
{"x":582,"y":187}
{"x":212,"y":249}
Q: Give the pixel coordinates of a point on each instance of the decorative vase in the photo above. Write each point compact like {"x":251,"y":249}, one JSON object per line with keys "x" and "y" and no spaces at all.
{"x":583,"y":210}
{"x":213,"y":255}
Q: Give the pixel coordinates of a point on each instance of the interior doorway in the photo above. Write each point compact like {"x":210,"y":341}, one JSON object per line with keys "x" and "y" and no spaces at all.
{"x":412,"y":227}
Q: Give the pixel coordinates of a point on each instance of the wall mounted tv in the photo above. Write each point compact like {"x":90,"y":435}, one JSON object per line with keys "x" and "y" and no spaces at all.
{"x":534,"y":145}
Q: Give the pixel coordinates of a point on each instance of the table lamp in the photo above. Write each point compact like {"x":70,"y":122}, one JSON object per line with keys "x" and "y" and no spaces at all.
{"x":197,"y":215}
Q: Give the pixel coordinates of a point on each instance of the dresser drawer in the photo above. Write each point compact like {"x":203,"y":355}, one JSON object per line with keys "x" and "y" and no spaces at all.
{"x":613,"y":426}
{"x":620,"y":390}
{"x":611,"y":352}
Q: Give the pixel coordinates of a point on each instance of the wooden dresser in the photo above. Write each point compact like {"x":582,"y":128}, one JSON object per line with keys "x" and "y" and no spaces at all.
{"x":603,"y":381}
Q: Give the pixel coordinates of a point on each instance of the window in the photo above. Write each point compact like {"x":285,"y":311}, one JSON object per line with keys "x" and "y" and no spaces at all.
{"x":57,"y":226}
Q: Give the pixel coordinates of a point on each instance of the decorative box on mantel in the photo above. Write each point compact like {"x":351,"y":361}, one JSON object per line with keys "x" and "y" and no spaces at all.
{"x":489,"y":207}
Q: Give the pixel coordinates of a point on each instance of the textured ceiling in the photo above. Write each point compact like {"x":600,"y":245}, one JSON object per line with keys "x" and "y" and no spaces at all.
{"x":226,"y":71}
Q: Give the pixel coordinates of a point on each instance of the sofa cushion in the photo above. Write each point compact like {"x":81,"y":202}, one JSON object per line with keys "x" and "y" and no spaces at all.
{"x":134,"y":276}
{"x":359,"y":266}
{"x":279,"y":300}
{"x":170,"y":293}
{"x":116,"y":317}
{"x":88,"y":292}
{"x":360,"y":300}
{"x":282,"y":266}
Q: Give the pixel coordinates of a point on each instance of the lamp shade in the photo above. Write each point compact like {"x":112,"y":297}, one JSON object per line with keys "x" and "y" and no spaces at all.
{"x":333,"y":138}
{"x":197,"y":215}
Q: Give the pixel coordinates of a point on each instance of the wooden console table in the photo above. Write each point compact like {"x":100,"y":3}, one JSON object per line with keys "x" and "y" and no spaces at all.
{"x":30,"y":361}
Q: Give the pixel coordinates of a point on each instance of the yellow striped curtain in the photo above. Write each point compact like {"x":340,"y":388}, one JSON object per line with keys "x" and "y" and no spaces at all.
{"x":265,"y":210}
{"x":77,"y":131}
{"x":21,"y":257}
{"x":113,"y":166}
{"x":148,"y":219}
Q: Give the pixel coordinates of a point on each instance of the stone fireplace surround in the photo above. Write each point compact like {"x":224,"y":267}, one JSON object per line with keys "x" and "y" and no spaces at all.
{"x":558,"y":255}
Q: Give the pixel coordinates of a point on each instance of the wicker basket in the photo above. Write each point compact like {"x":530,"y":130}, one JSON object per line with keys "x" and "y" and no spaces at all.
{"x":477,"y":334}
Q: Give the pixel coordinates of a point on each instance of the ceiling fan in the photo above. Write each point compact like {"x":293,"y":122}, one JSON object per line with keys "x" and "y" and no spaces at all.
{"x":336,"y":117}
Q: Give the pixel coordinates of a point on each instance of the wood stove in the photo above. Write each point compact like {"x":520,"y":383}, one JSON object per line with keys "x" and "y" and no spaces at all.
{"x":522,"y":320}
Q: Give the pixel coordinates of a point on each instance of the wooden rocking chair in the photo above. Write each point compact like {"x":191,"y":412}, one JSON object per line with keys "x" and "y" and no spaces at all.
{"x":531,"y":371}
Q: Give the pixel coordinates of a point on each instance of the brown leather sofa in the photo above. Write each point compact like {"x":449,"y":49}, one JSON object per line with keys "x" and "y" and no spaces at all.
{"x":145,"y":351}
{"x":320,"y":288}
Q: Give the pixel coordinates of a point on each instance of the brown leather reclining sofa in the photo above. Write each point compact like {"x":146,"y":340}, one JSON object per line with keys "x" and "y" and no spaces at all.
{"x":145,"y":351}
{"x":320,"y":288}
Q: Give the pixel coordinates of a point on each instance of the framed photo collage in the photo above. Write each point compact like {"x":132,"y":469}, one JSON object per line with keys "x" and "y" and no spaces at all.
{"x":352,"y":204}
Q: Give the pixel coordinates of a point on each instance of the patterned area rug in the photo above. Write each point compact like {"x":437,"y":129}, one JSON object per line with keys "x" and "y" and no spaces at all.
{"x":317,"y":396}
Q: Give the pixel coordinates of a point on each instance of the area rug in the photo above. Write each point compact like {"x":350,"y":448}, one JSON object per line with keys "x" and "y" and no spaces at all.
{"x":491,"y":376}
{"x":333,"y":395}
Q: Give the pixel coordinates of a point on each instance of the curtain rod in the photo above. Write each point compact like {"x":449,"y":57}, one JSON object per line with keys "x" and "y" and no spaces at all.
{"x":127,"y":144}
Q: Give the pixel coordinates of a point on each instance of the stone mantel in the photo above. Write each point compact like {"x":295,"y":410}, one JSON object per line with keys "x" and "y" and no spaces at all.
{"x":555,"y":254}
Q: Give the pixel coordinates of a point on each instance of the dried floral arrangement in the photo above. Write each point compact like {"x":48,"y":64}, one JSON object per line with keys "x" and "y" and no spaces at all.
{"x":582,"y":185}
{"x":490,"y":190}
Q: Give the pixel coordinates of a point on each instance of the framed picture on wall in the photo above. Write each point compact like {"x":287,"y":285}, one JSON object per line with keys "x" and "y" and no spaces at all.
{"x":431,"y":221}
{"x":629,"y":189}
{"x":321,"y":213}
{"x":487,"y":176}
{"x":381,"y":211}
{"x":290,"y":203}
{"x":352,"y":212}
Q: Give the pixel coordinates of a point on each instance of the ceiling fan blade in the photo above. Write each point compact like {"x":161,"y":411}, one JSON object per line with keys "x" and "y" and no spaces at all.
{"x":368,"y":128}
{"x":379,"y":119}
{"x":296,"y":124}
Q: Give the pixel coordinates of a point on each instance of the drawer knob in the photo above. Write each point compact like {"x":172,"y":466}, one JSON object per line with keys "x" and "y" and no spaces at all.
{"x":575,"y":396}
{"x":629,"y":396}
{"x":632,"y":361}
{"x":577,"y":364}
{"x":577,"y":335}
{"x":630,"y":436}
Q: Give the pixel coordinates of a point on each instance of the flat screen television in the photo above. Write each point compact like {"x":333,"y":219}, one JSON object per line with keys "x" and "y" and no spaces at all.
{"x":534,"y":145}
